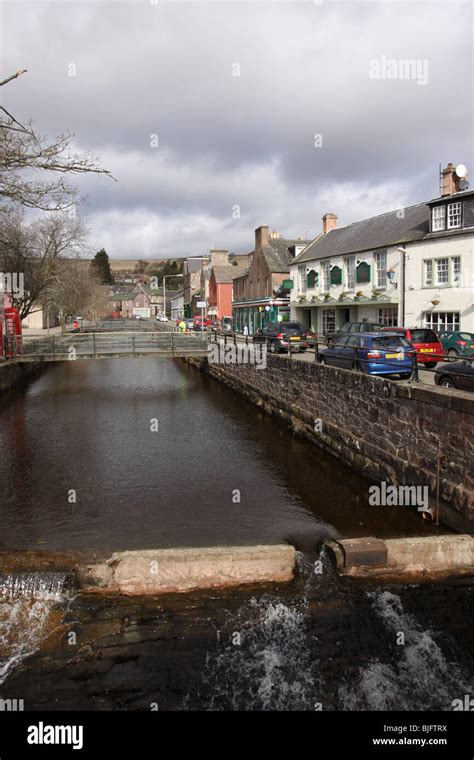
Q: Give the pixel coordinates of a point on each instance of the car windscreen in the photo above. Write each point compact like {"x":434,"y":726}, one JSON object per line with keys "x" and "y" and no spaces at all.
{"x":466,"y":336}
{"x":423,"y":336}
{"x":389,"y":341}
{"x":290,"y":326}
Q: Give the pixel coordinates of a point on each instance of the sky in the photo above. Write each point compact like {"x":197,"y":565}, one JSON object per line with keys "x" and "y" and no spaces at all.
{"x":217,"y":117}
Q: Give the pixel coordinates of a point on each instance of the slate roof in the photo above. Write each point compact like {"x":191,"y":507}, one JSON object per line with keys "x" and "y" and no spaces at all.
{"x":369,"y":234}
{"x":226,"y":273}
{"x":277,"y":254}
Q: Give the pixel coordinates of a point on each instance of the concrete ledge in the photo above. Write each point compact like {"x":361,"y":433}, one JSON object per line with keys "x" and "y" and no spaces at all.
{"x":163,"y":571}
{"x":433,"y":556}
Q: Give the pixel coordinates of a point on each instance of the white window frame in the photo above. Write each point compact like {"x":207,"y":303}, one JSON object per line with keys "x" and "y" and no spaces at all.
{"x":380,"y":259}
{"x":442,"y":320}
{"x":428,"y":282}
{"x":328,"y":320}
{"x":438,"y":218}
{"x":301,"y":279}
{"x":325,"y":276}
{"x":455,"y":272}
{"x":350,"y":273}
{"x":440,"y":282}
{"x":454,"y":215}
{"x":388,"y":316}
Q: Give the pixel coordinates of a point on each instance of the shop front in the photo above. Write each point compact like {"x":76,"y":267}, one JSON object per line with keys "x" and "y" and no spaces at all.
{"x":256,"y":314}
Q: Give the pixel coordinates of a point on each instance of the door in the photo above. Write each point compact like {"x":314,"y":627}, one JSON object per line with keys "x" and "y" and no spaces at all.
{"x":343,"y":316}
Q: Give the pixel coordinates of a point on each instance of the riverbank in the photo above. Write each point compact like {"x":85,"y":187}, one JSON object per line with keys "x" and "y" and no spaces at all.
{"x":14,"y":374}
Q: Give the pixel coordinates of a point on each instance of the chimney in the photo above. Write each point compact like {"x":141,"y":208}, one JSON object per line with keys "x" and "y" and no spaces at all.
{"x":449,"y":180}
{"x":219,"y":257}
{"x":329,"y":222}
{"x":261,"y":236}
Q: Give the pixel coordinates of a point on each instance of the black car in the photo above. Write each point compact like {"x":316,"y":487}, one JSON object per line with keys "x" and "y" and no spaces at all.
{"x":458,"y":375}
{"x":282,"y":336}
{"x":350,"y":328}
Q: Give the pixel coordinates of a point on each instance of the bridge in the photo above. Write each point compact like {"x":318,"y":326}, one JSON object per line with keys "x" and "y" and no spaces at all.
{"x":107,"y":345}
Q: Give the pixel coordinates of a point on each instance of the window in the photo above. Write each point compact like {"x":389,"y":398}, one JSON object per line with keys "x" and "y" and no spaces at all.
{"x":388,"y":316}
{"x":438,"y":218}
{"x":428,"y":273}
{"x":312,"y":279}
{"x":456,"y":270}
{"x":329,"y":320}
{"x":442,"y":320}
{"x":336,"y":275}
{"x":454,"y":215}
{"x":302,"y":278}
{"x":325,"y":275}
{"x":442,"y":271}
{"x":381,"y":269}
{"x":350,"y":273}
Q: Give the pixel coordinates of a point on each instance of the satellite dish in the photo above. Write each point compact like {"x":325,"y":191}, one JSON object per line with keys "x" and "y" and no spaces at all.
{"x":463,"y":184}
{"x":461,"y":171}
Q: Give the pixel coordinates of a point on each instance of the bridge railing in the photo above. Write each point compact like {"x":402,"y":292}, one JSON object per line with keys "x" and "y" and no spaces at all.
{"x":76,"y":345}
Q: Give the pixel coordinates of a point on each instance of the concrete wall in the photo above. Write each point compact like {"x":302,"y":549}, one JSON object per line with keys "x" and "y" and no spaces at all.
{"x":383,"y":429}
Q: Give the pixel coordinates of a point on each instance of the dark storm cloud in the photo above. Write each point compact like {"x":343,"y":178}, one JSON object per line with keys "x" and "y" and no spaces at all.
{"x":248,"y":140}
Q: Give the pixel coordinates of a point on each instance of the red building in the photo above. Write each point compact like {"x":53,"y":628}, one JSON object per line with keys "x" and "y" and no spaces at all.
{"x":220,"y":290}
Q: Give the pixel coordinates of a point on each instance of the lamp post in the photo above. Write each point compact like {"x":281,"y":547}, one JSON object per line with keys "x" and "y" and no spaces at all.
{"x":164,"y":287}
{"x":403,"y":252}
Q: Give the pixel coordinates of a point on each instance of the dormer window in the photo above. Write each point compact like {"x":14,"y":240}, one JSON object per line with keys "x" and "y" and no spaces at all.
{"x":454,"y":215}
{"x":438,"y":218}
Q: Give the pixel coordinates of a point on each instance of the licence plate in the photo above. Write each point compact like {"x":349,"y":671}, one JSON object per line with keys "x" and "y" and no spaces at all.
{"x":394,"y":356}
{"x":426,"y":350}
{"x":294,"y":338}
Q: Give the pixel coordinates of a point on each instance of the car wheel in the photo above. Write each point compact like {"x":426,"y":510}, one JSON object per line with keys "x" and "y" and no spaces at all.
{"x":302,"y":350}
{"x":446,"y":382}
{"x":322,"y":360}
{"x":405,"y":375}
{"x":453,"y":353}
{"x":429,"y":365}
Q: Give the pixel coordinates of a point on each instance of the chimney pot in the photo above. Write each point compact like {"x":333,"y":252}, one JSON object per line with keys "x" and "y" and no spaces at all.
{"x":329,"y":222}
{"x":261,"y":236}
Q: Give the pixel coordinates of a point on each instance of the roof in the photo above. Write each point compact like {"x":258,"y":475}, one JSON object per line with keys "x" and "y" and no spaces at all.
{"x":226,"y":273}
{"x":277,"y":254}
{"x":376,"y":232}
{"x":122,"y":297}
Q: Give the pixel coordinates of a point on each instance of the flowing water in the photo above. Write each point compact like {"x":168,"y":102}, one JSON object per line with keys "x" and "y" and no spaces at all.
{"x":111,"y":455}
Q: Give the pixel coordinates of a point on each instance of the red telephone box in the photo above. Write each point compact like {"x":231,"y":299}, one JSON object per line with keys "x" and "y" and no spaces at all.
{"x":10,"y":333}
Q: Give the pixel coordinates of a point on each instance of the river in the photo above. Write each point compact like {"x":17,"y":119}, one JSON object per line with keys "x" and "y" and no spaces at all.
{"x":125,"y":454}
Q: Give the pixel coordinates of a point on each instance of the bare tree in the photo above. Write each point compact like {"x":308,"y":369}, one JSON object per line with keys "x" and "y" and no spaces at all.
{"x":34,"y":251}
{"x":77,"y":289}
{"x":24,"y":154}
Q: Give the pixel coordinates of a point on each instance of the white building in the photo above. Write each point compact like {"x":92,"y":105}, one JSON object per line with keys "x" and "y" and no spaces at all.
{"x":409,"y":267}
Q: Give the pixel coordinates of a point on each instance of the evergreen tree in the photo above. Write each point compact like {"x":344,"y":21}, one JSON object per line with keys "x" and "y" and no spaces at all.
{"x":101,"y":265}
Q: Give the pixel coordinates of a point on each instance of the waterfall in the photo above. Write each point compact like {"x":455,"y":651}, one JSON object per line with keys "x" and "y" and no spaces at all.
{"x":26,"y":603}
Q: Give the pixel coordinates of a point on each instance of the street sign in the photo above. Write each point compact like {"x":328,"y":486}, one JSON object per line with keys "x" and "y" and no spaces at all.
{"x":201,"y":304}
{"x":287,"y":284}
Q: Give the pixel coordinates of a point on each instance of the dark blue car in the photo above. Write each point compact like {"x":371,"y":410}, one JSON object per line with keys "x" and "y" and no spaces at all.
{"x":374,"y":353}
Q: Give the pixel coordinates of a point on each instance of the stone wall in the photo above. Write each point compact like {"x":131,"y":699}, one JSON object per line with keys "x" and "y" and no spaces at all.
{"x":12,"y":374}
{"x":385,"y":430}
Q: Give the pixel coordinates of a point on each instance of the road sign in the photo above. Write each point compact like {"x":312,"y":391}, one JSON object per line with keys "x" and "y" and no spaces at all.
{"x":201,"y":304}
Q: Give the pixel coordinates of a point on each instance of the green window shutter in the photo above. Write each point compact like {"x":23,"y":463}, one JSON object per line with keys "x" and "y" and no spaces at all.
{"x":363,"y":273}
{"x":311,"y":279}
{"x":336,"y":276}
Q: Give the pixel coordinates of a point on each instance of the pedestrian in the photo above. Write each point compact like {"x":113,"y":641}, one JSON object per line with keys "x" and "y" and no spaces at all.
{"x":246,"y":330}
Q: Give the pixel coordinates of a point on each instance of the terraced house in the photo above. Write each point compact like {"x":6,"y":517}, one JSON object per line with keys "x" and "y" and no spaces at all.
{"x":411,"y":266}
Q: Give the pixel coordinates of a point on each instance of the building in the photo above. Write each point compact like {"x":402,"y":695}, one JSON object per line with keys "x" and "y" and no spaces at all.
{"x":412,"y":267}
{"x":221,"y":285}
{"x":192,"y":282}
{"x":261,"y":293}
{"x":177,"y":305}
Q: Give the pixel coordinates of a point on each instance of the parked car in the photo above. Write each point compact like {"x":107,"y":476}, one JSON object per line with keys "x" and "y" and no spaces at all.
{"x":458,"y":375}
{"x":429,"y":350}
{"x":311,"y":337}
{"x":352,"y":327}
{"x":457,"y":343}
{"x":281,"y":336}
{"x":202,"y":322}
{"x":161,"y":318}
{"x":372,"y":353}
